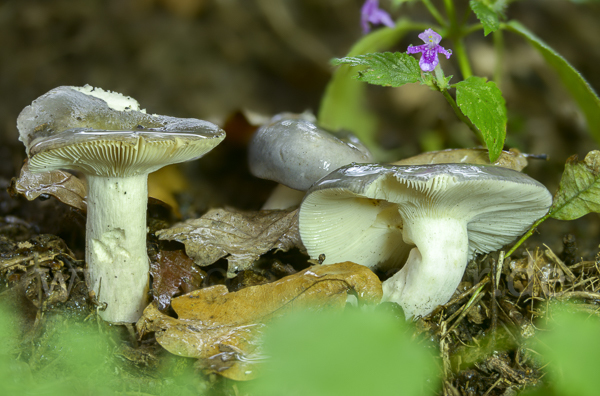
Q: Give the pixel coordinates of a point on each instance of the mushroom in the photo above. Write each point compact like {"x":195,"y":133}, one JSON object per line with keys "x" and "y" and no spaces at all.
{"x":295,"y":152}
{"x":434,"y":217}
{"x":105,"y":136}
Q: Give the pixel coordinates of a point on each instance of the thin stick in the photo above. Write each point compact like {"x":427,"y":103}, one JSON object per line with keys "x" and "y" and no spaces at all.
{"x":550,"y":254}
{"x":474,"y":300}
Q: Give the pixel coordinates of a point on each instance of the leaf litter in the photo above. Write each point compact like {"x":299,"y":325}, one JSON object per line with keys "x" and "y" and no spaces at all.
{"x":500,"y":306}
{"x":240,"y":237}
{"x":212,"y":321}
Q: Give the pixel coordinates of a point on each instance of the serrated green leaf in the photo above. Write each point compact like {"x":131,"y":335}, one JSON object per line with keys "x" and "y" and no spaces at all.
{"x":389,"y":69}
{"x":579,"y":190}
{"x":578,"y":87}
{"x":342,"y":105}
{"x":486,"y":15}
{"x":483,"y":104}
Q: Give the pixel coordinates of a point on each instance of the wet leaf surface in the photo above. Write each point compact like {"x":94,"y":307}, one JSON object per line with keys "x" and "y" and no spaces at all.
{"x":62,"y":185}
{"x":579,"y":190}
{"x":512,"y":159}
{"x":173,"y":272}
{"x":215,"y":324}
{"x":241,"y":237}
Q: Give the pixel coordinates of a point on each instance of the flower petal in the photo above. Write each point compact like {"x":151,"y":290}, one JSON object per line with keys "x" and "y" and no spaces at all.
{"x":430,"y":37}
{"x":444,"y":51}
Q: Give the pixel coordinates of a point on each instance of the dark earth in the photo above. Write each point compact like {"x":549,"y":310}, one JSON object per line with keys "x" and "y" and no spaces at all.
{"x":213,"y":59}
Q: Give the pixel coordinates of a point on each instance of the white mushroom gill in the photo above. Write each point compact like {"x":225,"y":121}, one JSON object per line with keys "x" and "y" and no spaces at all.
{"x":427,"y":220}
{"x":115,"y":145}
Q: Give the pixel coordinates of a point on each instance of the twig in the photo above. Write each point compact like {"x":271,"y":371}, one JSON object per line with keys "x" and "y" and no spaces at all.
{"x":493,"y":386}
{"x":467,"y":307}
{"x":483,"y":282}
{"x":550,"y":254}
{"x":577,"y":294}
{"x":494,"y":307}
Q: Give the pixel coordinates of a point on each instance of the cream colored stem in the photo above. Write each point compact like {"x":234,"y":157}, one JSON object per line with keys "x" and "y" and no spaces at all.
{"x":434,"y":267}
{"x":116,"y":245}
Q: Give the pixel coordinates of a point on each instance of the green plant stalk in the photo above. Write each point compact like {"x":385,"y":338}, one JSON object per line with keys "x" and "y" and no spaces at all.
{"x":450,"y":12}
{"x":461,"y":116}
{"x":472,"y":29}
{"x":498,"y":38}
{"x":435,"y":13}
{"x":528,"y":234}
{"x":463,"y":60}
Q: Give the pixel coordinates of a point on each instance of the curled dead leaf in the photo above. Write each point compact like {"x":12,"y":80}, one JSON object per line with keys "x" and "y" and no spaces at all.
{"x":63,"y":186}
{"x":241,"y":237}
{"x":512,"y":159}
{"x":215,"y":323}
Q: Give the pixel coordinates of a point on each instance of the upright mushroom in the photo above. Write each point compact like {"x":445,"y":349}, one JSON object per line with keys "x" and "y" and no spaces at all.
{"x":292,"y":150}
{"x":106,"y":136}
{"x":436,"y":217}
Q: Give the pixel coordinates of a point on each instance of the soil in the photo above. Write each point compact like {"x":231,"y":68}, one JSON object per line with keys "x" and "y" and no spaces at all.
{"x":212,"y":59}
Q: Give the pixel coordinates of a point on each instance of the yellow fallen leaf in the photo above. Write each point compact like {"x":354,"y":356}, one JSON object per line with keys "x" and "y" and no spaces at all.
{"x":165,"y":183}
{"x":215,"y":323}
{"x":512,"y":159}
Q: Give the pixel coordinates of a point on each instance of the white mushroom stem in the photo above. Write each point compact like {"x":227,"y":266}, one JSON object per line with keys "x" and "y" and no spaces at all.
{"x":434,"y":267}
{"x":116,"y":245}
{"x":283,"y":197}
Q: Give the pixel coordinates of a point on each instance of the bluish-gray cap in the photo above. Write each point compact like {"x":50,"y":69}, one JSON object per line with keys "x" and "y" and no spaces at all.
{"x":294,"y":151}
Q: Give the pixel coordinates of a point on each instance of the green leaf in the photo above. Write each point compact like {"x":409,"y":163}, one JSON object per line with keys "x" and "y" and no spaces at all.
{"x":349,"y":353}
{"x":486,"y":15}
{"x":343,"y":103}
{"x":579,"y":190}
{"x":483,"y":104}
{"x":569,"y":351}
{"x":578,"y":87}
{"x":389,"y":69}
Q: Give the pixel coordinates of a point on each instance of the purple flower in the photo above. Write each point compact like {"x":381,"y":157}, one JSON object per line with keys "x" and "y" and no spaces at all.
{"x":430,"y":50}
{"x":370,"y":13}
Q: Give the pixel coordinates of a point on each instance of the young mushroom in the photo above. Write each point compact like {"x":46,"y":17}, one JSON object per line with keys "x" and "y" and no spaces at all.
{"x":293,"y":151}
{"x":436,"y":217}
{"x":105,"y":136}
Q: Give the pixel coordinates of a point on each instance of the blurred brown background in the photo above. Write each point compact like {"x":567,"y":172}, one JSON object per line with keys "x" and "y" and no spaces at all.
{"x":208,"y":58}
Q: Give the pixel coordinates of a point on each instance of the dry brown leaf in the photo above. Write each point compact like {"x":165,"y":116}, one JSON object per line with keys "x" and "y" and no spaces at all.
{"x":171,"y":272}
{"x":214,"y":324}
{"x":512,"y":159}
{"x":63,"y":186}
{"x":241,"y":237}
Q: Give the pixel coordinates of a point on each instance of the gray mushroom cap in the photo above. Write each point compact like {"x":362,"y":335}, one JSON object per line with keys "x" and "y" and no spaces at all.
{"x":357,"y":212}
{"x":293,"y":151}
{"x":104,"y":133}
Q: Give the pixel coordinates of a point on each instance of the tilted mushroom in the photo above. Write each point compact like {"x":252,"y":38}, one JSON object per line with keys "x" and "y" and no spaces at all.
{"x":434,"y":217}
{"x":293,"y":151}
{"x":105,"y":136}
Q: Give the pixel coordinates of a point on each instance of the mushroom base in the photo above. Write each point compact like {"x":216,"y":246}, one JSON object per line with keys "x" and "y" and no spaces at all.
{"x":116,"y":245}
{"x":434,"y":267}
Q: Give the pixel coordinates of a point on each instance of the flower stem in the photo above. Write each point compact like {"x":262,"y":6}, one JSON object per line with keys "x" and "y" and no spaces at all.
{"x":435,"y":13}
{"x":460,"y":114}
{"x":463,"y":60}
{"x":450,"y":11}
{"x":527,"y":235}
{"x":499,"y":47}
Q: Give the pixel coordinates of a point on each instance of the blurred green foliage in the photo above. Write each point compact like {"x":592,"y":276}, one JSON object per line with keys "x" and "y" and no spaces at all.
{"x":571,"y":350}
{"x":353,"y":353}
